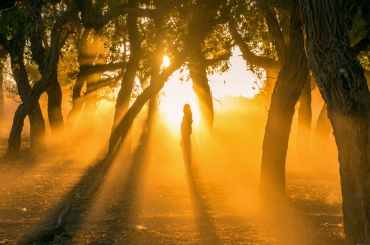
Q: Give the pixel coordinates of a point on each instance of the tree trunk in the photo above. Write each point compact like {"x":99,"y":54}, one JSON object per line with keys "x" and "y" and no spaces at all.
{"x":152,"y":114}
{"x":288,"y":87}
{"x":85,"y":61}
{"x":270,"y":81}
{"x":37,"y":123}
{"x":87,"y":124}
{"x":198,"y":73}
{"x":62,"y":28}
{"x":342,"y":84}
{"x":124,"y":95}
{"x":156,"y":67}
{"x":54,"y":92}
{"x":304,"y":127}
{"x":321,"y":137}
{"x":1,"y":100}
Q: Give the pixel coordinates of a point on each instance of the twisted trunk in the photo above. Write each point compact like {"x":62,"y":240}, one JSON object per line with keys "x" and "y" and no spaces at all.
{"x":37,"y":123}
{"x":63,"y":26}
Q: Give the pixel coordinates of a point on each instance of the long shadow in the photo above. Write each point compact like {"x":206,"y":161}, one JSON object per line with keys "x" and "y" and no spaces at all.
{"x":205,"y":223}
{"x":126,"y":210}
{"x":86,"y":190}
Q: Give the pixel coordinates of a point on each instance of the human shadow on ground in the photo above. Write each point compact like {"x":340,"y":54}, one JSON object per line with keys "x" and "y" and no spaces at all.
{"x":205,"y":223}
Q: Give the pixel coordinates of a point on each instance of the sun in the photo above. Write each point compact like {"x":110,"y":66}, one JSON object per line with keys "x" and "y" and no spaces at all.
{"x":175,"y":95}
{"x":165,"y":61}
{"x":236,"y":82}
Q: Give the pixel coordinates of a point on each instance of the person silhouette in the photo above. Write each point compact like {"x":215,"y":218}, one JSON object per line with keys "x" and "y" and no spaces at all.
{"x":186,"y":130}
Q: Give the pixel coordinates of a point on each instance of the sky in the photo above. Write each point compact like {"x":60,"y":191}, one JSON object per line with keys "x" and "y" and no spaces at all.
{"x":238,"y":81}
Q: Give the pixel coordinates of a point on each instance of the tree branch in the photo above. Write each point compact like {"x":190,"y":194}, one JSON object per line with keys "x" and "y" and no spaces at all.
{"x":90,"y":19}
{"x":249,"y":56}
{"x":276,"y":33}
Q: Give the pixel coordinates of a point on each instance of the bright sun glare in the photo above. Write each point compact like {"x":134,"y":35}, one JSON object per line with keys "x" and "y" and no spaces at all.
{"x":165,"y":61}
{"x":238,"y":81}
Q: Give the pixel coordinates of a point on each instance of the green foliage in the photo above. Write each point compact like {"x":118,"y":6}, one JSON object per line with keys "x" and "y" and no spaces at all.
{"x":364,"y":58}
{"x":10,"y":22}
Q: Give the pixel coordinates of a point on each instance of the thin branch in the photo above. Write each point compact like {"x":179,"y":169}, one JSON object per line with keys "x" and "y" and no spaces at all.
{"x":126,"y":9}
{"x":249,"y":56}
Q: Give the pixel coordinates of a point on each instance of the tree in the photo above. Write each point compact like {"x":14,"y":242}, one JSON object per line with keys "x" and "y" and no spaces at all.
{"x":290,"y":82}
{"x":179,"y":57}
{"x":16,"y":46}
{"x":62,"y":28}
{"x":3,"y":54}
{"x":116,"y":139}
{"x":341,"y":81}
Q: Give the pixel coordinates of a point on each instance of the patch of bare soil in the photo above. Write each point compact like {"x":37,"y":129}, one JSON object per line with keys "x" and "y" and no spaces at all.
{"x":151,"y":199}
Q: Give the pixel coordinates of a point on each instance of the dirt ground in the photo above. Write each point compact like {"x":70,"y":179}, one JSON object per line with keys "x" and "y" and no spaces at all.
{"x":151,"y":199}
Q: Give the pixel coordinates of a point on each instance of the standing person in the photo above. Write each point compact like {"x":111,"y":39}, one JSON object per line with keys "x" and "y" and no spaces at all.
{"x":186,"y":130}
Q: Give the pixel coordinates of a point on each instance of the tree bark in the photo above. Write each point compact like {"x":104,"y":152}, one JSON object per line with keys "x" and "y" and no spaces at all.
{"x":54,"y":92}
{"x":304,"y":127}
{"x":37,"y":123}
{"x":198,"y":73}
{"x":1,"y":99}
{"x":342,"y":84}
{"x":288,"y":87}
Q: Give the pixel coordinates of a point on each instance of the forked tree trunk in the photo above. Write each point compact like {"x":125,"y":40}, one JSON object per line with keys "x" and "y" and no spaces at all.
{"x":304,"y":127}
{"x":62,"y":27}
{"x":37,"y":123}
{"x":288,"y":87}
{"x":342,"y":84}
{"x":198,"y":74}
{"x":320,"y":138}
{"x":39,"y":54}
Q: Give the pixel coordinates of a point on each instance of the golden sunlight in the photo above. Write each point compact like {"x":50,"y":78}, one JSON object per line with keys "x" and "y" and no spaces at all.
{"x":165,"y":61}
{"x":238,"y":81}
{"x":176,"y":94}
